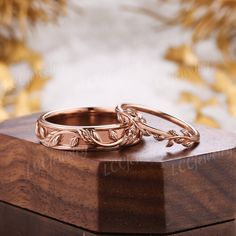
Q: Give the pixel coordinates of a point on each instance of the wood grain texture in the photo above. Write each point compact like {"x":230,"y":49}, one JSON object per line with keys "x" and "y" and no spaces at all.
{"x":27,"y":223}
{"x":142,"y":189}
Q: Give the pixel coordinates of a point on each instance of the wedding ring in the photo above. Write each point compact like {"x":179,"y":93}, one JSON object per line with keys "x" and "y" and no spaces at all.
{"x":88,"y":128}
{"x":188,"y":136}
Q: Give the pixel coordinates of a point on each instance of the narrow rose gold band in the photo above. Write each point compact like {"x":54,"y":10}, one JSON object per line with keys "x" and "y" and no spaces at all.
{"x":130,"y":112}
{"x":88,"y":128}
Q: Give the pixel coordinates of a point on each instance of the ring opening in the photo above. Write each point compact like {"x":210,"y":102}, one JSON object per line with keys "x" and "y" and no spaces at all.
{"x":84,"y":117}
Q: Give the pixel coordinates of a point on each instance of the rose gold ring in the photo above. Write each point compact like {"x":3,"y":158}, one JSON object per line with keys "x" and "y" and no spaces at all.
{"x":189,"y":135}
{"x":88,"y":128}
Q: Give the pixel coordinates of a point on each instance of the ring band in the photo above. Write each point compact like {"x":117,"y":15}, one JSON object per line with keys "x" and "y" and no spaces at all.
{"x":88,"y":128}
{"x":189,"y":135}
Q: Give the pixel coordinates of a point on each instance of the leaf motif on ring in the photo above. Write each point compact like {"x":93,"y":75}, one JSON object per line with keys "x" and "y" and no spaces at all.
{"x":54,"y":141}
{"x":159,"y":137}
{"x":188,"y":144}
{"x":185,"y":132}
{"x":95,"y":135}
{"x":170,"y":143}
{"x":42,"y":132}
{"x":113,"y":135}
{"x":85,"y":135}
{"x":172,"y":132}
{"x":74,"y":142}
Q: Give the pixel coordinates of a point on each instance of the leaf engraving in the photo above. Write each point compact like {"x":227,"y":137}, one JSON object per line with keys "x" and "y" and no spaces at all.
{"x":74,"y":142}
{"x":96,"y":136}
{"x":42,"y":132}
{"x":113,"y":135}
{"x":170,"y":143}
{"x":185,"y":132}
{"x":172,"y":132}
{"x":55,"y":140}
{"x":159,"y":137}
{"x":85,"y":135}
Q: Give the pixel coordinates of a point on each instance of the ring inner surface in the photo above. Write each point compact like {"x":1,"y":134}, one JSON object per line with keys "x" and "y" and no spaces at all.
{"x":84,"y":118}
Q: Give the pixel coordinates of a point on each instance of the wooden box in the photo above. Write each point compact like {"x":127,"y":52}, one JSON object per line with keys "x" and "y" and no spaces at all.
{"x":144,"y":189}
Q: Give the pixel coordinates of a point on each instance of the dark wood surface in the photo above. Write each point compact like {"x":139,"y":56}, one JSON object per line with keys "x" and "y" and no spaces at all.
{"x":15,"y":221}
{"x":141,"y":189}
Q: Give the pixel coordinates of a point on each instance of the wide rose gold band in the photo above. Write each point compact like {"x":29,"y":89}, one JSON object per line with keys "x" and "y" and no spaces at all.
{"x":95,"y":128}
{"x":88,"y":128}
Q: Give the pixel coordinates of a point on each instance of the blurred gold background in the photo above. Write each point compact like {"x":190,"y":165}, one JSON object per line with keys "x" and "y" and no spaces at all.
{"x":212,"y":20}
{"x":16,"y":17}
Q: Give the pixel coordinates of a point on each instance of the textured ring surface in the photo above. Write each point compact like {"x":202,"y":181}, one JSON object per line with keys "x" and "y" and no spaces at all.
{"x":188,"y":136}
{"x":89,"y":128}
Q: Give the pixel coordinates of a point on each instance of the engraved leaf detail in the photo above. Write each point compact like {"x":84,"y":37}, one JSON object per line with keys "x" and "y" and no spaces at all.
{"x":173,"y":133}
{"x":159,"y":137}
{"x":74,"y":142}
{"x":85,"y":135}
{"x":113,"y":135}
{"x":185,"y":132}
{"x":173,"y":137}
{"x":188,"y":144}
{"x":55,"y":140}
{"x":42,"y":132}
{"x":96,"y":136}
{"x":170,"y":143}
